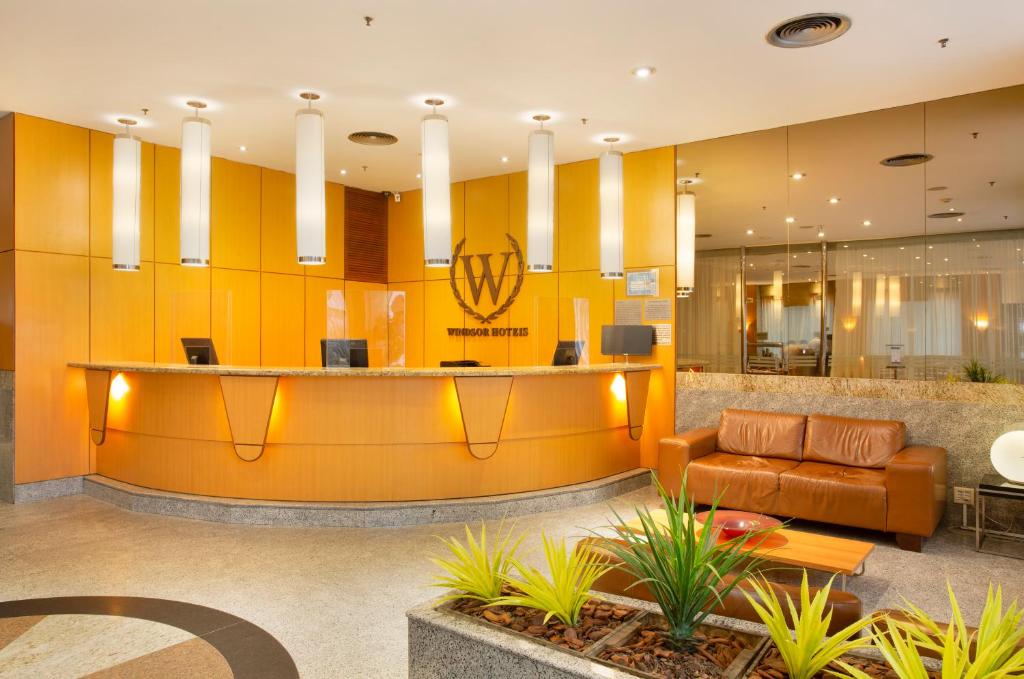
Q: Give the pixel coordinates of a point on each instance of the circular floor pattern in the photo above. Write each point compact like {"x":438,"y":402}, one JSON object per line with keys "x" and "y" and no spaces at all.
{"x":105,"y":637}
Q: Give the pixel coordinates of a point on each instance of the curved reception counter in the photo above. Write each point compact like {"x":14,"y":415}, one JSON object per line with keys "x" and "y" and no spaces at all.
{"x":363,"y":435}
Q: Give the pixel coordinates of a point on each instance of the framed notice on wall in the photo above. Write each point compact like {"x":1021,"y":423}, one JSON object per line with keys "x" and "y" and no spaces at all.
{"x":642,"y":283}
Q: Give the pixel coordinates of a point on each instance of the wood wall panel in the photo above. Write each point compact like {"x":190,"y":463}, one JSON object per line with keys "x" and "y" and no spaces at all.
{"x":441,"y":312}
{"x":51,"y":186}
{"x":235,"y":315}
{"x":325,"y":314}
{"x":183,"y":311}
{"x":579,"y":217}
{"x":487,"y":215}
{"x":335,"y":266}
{"x":598,"y":296}
{"x":234,"y":215}
{"x":536,"y":308}
{"x":172,"y":406}
{"x":52,"y":320}
{"x":405,"y":234}
{"x":277,"y":211}
{"x":7,"y":327}
{"x":649,"y":208}
{"x":120,"y":312}
{"x":166,"y":204}
{"x":282,"y":320}
{"x":366,"y":236}
{"x":7,"y":182}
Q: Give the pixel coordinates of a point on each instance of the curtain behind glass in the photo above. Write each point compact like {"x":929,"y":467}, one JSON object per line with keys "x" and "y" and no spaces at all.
{"x":709,"y":320}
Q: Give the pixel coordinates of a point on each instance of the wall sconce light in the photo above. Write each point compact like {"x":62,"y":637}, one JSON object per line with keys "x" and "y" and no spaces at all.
{"x":619,"y":387}
{"x":119,"y":387}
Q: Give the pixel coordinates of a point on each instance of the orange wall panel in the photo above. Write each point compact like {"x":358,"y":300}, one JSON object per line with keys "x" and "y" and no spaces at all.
{"x":536,"y":308}
{"x":596,"y":309}
{"x":7,"y":310}
{"x":405,"y":237}
{"x":282,"y":320}
{"x":278,"y":223}
{"x":234,"y":215}
{"x":579,"y":217}
{"x":51,"y":186}
{"x":166,"y":204}
{"x":441,"y":312}
{"x":235,"y":315}
{"x":7,"y":182}
{"x":182,"y":310}
{"x":120,"y":312}
{"x":649,"y":208}
{"x":325,"y":314}
{"x":335,"y":266}
{"x":366,"y":317}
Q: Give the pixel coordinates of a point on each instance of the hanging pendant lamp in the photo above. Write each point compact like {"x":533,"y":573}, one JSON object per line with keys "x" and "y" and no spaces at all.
{"x":540,"y":199}
{"x":437,"y":197}
{"x":195,"y":189}
{"x":310,"y":199}
{"x":127,"y":183}
{"x":610,"y":169}
{"x":686,"y":234}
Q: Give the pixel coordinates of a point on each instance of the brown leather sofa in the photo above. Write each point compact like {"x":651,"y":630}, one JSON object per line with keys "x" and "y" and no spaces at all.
{"x":838,"y":470}
{"x":846,"y":607}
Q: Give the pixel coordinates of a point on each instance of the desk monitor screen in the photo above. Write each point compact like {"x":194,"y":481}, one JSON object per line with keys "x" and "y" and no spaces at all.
{"x":199,"y":350}
{"x":627,"y":340}
{"x":568,"y":352}
{"x":344,"y":353}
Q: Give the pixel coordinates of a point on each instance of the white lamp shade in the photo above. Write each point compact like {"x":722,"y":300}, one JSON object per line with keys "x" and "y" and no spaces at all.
{"x":880,"y":294}
{"x":894,"y":296}
{"x":195,"y":192}
{"x":437,"y":197}
{"x":127,"y":190}
{"x":686,"y":233}
{"x":1007,"y":456}
{"x":310,"y":201}
{"x":610,"y":167}
{"x":540,"y":201}
{"x":856,"y":292}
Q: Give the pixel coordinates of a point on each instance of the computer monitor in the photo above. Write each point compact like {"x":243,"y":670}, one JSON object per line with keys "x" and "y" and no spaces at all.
{"x":627,"y":340}
{"x":344,"y":353}
{"x":568,"y":352}
{"x":199,"y":350}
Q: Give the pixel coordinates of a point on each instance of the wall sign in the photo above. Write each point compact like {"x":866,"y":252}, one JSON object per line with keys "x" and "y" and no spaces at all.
{"x":479,"y":271}
{"x":642,"y":283}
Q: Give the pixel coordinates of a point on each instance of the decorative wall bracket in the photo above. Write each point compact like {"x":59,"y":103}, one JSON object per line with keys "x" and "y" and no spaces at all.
{"x":97,"y":389}
{"x":637,"y":384}
{"x":248,"y":401}
{"x":483,"y":402}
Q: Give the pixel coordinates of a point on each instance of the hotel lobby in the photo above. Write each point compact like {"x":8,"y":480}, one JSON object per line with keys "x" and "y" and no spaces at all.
{"x":577,"y":339}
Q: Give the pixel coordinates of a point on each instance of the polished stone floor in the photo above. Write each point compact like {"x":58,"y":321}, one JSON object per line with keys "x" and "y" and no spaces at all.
{"x":335,"y":597}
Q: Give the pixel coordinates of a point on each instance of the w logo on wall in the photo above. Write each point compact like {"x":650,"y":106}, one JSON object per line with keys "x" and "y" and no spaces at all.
{"x":485,"y":274}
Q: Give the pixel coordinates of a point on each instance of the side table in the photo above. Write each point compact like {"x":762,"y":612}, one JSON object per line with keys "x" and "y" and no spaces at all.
{"x":994,"y":485}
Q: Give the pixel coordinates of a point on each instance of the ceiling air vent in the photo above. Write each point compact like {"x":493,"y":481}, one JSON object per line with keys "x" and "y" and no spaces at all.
{"x":373,"y":138}
{"x":905,"y":159}
{"x":808,"y":30}
{"x":702,"y":235}
{"x":945,"y":215}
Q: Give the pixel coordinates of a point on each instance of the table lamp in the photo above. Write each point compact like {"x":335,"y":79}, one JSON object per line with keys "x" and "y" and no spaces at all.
{"x":1007,"y":456}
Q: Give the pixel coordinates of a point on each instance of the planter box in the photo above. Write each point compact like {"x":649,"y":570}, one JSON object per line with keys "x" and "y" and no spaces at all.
{"x":444,"y":644}
{"x":869,"y":653}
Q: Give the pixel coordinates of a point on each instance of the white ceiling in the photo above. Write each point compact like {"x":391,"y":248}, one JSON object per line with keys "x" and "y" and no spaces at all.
{"x":89,"y":62}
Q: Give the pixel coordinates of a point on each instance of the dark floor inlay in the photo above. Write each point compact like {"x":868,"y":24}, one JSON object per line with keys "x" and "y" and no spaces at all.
{"x":250,"y":651}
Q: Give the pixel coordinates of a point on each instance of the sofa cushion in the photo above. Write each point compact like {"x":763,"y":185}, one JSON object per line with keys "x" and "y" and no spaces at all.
{"x":855,"y":442}
{"x":851,"y":496}
{"x":745,"y":482}
{"x":751,"y":432}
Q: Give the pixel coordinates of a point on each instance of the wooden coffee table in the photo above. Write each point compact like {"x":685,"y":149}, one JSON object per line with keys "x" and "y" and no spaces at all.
{"x":800,"y":548}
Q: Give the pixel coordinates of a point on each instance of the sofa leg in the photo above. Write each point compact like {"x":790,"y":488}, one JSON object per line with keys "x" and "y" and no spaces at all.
{"x":910,"y":543}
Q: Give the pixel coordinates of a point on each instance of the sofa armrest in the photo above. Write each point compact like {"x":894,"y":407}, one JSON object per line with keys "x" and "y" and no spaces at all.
{"x":676,"y":452}
{"x":915,"y":482}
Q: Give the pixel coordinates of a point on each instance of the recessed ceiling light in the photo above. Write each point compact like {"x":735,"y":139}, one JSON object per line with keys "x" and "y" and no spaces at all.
{"x":798,"y":175}
{"x":344,"y":172}
{"x":790,"y":220}
{"x":643,"y":71}
{"x":504,"y":159}
{"x":959,"y":219}
{"x":419,"y":176}
{"x":833,"y":200}
{"x":821,"y":234}
{"x":242,"y":148}
{"x":750,"y":232}
{"x":952,"y":209}
{"x":867,"y":222}
{"x":845,"y":245}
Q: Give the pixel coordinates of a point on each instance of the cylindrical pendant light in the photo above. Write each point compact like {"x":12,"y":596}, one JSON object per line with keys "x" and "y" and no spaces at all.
{"x":856,"y":292}
{"x":894,"y":296}
{"x":437,"y":197}
{"x":310,"y":199}
{"x":195,"y":189}
{"x":127,"y":193}
{"x":540,"y":199}
{"x":686,"y":233}
{"x":880,"y":294}
{"x":776,"y":291}
{"x":610,"y":169}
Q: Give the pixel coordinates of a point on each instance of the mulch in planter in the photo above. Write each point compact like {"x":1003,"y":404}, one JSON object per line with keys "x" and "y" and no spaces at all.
{"x":651,"y":651}
{"x":771,"y":666}
{"x":598,"y":619}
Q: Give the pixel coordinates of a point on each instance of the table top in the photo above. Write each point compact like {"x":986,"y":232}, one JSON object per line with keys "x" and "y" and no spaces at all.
{"x":994,"y":484}
{"x":801,"y":548}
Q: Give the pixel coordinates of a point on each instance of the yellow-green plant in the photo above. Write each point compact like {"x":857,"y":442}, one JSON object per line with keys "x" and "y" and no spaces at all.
{"x":900,"y":653}
{"x":573,"y":573}
{"x":474,"y":570}
{"x":808,"y":649}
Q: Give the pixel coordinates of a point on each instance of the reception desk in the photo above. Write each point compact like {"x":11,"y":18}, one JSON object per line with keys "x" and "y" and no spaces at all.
{"x":363,"y":434}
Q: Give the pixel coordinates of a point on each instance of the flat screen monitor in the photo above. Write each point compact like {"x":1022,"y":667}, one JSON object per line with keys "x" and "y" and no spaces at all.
{"x":199,"y":350}
{"x":627,"y":340}
{"x":568,"y":352}
{"x":344,"y":353}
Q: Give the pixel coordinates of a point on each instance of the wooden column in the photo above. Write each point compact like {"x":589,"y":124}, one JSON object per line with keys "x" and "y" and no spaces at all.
{"x":248,"y":401}
{"x":483,"y":402}
{"x":97,"y":388}
{"x":636,"y":401}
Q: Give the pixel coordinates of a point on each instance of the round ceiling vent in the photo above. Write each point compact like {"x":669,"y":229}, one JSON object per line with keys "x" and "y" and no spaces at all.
{"x":905,"y":159}
{"x":373,"y":138}
{"x":945,"y":215}
{"x":937,"y":188}
{"x":702,"y":235}
{"x":808,"y":30}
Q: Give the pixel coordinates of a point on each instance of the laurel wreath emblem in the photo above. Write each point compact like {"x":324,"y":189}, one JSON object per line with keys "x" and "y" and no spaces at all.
{"x":520,"y":269}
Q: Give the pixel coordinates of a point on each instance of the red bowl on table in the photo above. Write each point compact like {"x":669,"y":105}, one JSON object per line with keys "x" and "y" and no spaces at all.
{"x":734,"y":523}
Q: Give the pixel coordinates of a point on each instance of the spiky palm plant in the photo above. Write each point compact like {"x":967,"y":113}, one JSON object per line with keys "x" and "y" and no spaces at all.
{"x":474,"y":570}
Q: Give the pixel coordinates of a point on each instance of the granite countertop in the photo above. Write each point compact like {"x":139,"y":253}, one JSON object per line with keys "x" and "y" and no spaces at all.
{"x":505,"y":371}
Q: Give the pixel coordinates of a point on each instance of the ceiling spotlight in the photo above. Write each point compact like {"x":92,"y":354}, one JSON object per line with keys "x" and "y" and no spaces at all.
{"x":959,"y":219}
{"x":821,"y":234}
{"x":344,"y":172}
{"x":643,"y":71}
{"x":798,"y":175}
{"x":750,"y":232}
{"x":952,"y":209}
{"x":867,"y":222}
{"x":242,"y":148}
{"x":833,"y":200}
{"x":504,"y":159}
{"x":419,"y":175}
{"x":790,"y":220}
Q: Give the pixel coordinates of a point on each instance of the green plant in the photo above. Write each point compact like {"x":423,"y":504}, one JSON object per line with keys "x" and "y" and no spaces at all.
{"x":682,"y":566}
{"x":475,"y":571}
{"x":809,"y":649}
{"x":573,"y":573}
{"x":900,"y":653}
{"x":976,"y":372}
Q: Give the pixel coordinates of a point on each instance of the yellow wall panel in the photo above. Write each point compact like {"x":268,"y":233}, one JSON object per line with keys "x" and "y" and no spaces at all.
{"x":406,"y":325}
{"x":579,"y":217}
{"x":166,"y":204}
{"x":441,"y":312}
{"x":335,"y":266}
{"x":182,"y":309}
{"x":7,"y":182}
{"x":595,"y":309}
{"x":51,"y":186}
{"x":7,"y":310}
{"x":649,"y":195}
{"x":121,"y":312}
{"x":405,"y":237}
{"x":52,"y":320}
{"x":234,"y":215}
{"x":235,"y":315}
{"x":278,"y":223}
{"x":536,"y":309}
{"x":282,"y":320}
{"x":487,"y":215}
{"x":325,"y":314}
